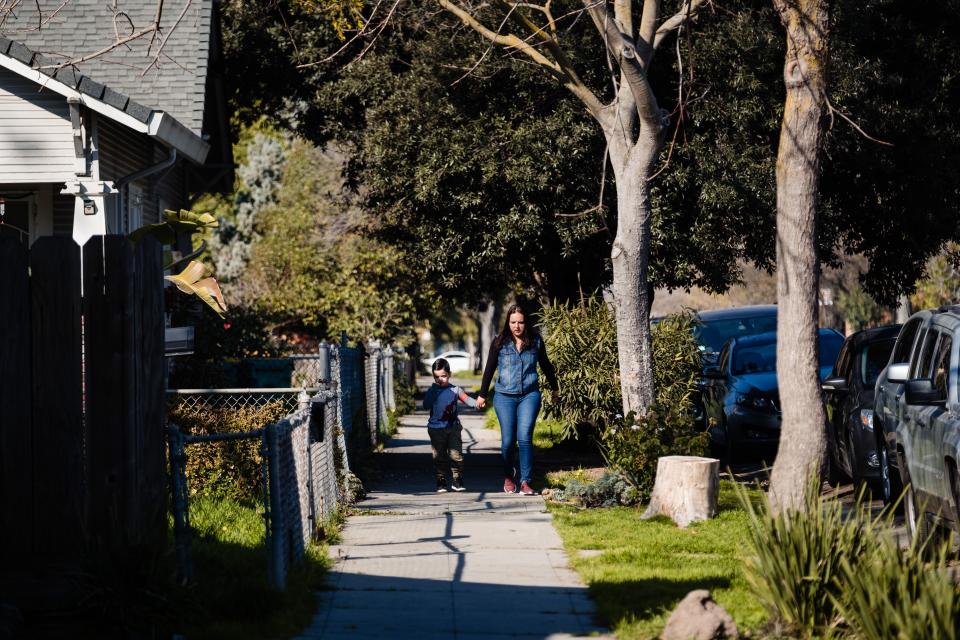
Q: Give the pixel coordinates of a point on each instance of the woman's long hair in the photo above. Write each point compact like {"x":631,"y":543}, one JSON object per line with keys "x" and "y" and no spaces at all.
{"x":529,"y":332}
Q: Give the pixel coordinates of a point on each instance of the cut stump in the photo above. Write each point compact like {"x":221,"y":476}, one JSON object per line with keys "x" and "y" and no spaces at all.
{"x":685,"y":490}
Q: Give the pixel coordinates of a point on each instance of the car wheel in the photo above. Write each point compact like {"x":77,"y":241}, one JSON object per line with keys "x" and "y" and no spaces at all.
{"x":891,"y":488}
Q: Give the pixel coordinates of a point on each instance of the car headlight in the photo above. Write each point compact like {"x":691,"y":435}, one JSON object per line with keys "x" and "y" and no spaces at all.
{"x":754,"y":402}
{"x":866,"y":419}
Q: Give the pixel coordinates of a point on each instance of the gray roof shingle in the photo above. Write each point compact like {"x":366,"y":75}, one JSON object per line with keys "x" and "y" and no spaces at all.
{"x":175,"y":86}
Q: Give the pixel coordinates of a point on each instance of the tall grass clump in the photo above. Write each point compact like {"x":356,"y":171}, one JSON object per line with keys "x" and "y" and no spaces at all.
{"x":838,"y":572}
{"x":900,"y":595}
{"x":794,"y":560}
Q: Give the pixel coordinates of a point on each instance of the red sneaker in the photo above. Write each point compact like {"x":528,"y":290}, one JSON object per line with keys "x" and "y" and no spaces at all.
{"x":526,"y":489}
{"x":509,"y":486}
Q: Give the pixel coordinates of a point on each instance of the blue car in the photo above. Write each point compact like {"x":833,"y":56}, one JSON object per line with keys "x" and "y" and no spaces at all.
{"x":740,"y":396}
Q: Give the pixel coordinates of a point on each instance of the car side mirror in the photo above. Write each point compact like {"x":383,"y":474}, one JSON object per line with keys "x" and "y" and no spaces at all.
{"x":835,"y":384}
{"x":898,"y":372}
{"x":713,"y":373}
{"x":922,"y":392}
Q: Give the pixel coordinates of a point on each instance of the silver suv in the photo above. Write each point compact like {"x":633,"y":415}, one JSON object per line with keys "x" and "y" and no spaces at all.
{"x":918,"y":408}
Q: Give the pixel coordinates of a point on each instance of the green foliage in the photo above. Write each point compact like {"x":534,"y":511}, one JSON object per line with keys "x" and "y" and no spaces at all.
{"x":898,"y":595}
{"x":232,"y":469}
{"x":582,"y":343}
{"x":793,"y":558}
{"x":638,"y":570}
{"x":231,"y":598}
{"x":403,"y":395}
{"x":174,"y":223}
{"x":835,"y":571}
{"x":634,"y":444}
{"x":859,"y":309}
{"x":941,"y":282}
{"x":610,"y":490}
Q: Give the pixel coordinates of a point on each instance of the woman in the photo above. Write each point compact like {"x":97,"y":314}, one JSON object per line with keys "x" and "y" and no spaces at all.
{"x":515,"y":354}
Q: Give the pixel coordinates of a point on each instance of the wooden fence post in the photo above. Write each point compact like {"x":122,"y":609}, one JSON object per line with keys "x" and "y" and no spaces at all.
{"x":57,"y":398}
{"x":16,"y":449}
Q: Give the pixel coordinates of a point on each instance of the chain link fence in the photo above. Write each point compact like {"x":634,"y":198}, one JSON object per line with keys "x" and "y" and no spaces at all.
{"x":306,"y":473}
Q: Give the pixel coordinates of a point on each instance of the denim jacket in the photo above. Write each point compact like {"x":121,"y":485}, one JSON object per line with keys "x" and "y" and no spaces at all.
{"x":518,"y":370}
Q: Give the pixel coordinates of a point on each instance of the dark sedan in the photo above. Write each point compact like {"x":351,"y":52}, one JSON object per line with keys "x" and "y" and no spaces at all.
{"x":717,"y":326}
{"x":740,"y":394}
{"x":851,"y":440}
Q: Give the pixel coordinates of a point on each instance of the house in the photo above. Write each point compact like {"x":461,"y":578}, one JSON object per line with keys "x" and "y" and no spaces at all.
{"x":104,"y":145}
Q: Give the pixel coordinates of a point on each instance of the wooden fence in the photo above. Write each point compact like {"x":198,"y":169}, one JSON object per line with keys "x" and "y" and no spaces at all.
{"x":81,"y":400}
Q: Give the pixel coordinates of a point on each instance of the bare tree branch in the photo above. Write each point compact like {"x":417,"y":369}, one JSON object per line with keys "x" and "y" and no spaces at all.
{"x":689,"y":9}
{"x":559,"y":68}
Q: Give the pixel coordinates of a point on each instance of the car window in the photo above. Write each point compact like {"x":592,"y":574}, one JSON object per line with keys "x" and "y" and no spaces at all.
{"x":712,"y":335}
{"x":842,"y":368}
{"x":941,"y":366}
{"x":920,"y":365}
{"x":901,"y":352}
{"x":724,"y":356}
{"x":755,"y":358}
{"x":871,"y":361}
{"x":830,"y":344}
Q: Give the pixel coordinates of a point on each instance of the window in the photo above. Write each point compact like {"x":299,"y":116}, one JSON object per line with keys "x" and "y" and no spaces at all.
{"x":941,"y":366}
{"x":755,"y":358}
{"x":724,"y":356}
{"x":901,"y":352}
{"x":920,"y":363}
{"x":842,"y":368}
{"x":873,"y":358}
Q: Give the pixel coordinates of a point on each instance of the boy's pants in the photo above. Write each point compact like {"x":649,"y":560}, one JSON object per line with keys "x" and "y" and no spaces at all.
{"x":447,"y":444}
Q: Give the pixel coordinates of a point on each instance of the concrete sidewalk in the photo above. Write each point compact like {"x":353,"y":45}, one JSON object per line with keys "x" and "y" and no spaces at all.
{"x":425,"y":566}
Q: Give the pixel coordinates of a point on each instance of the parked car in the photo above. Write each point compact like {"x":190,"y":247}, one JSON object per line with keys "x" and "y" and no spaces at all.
{"x":719,"y":325}
{"x":886,"y":406}
{"x":740,"y":395}
{"x":853,"y":445}
{"x":459,"y":361}
{"x":927,"y":417}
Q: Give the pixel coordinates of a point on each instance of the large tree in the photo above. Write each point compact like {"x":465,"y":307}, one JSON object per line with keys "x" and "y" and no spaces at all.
{"x":634,"y":128}
{"x":802,"y":437}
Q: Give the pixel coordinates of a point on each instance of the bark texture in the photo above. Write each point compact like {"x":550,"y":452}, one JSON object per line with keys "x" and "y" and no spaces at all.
{"x":686,"y":489}
{"x":802,"y":439}
{"x":630,"y":256}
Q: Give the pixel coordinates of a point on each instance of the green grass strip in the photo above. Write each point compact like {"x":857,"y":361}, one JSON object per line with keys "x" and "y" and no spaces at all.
{"x":637,"y":571}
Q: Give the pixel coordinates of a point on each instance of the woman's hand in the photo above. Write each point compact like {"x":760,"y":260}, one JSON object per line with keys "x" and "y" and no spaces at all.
{"x":481,"y":402}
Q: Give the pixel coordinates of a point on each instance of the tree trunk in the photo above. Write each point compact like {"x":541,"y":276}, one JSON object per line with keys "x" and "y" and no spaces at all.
{"x":686,"y":489}
{"x":630,"y":257}
{"x":488,"y":315}
{"x":802,"y":439}
{"x":903,"y":308}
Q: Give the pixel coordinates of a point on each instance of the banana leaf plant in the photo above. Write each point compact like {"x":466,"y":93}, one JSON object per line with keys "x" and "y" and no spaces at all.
{"x":193,"y":280}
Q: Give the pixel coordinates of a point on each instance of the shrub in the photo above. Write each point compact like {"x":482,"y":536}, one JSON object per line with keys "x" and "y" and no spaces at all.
{"x":899,"y":595}
{"x":583,"y":347}
{"x":232,"y":469}
{"x":635,"y":443}
{"x":582,"y":342}
{"x":403,"y":395}
{"x":610,"y":490}
{"x":794,"y":560}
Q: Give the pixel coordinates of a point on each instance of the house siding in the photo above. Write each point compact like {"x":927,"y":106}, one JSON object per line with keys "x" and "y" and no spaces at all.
{"x":123,"y":152}
{"x":36,"y":140}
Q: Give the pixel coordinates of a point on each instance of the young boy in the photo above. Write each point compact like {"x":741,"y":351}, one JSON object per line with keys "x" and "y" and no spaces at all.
{"x":444,"y":427}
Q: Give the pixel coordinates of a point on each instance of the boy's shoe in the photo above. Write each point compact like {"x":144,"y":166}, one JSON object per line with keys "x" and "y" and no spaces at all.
{"x":457,"y":485}
{"x":442,"y":485}
{"x":526,"y":489}
{"x":509,"y":486}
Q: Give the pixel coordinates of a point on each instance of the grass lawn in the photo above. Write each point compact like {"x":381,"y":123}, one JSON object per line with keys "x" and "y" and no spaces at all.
{"x":644,"y":568}
{"x":229,"y":597}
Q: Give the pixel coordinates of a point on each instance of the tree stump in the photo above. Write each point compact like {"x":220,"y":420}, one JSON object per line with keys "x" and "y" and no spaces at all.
{"x":685,"y":489}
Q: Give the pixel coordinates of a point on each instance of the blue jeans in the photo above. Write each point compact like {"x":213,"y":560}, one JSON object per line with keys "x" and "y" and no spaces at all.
{"x":517,"y":415}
